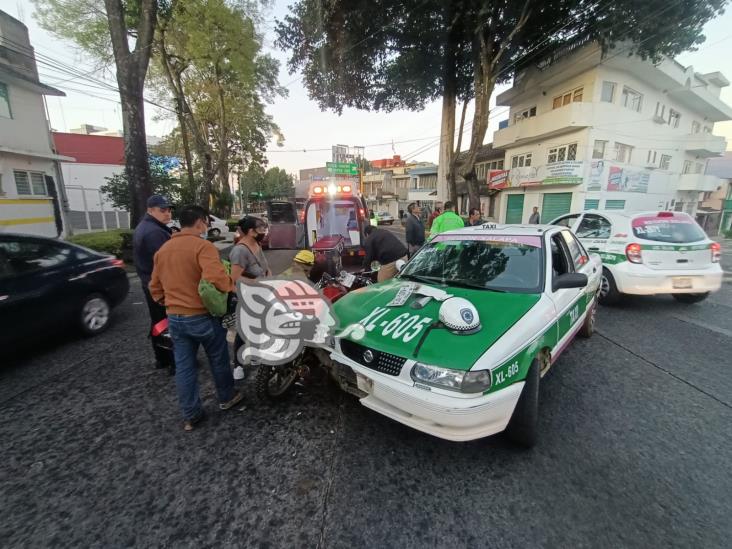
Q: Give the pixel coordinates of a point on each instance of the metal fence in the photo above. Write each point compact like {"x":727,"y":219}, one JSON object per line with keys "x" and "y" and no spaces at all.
{"x":94,"y":216}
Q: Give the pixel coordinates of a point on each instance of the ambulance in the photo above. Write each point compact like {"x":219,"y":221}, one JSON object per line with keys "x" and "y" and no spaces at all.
{"x":456,"y":345}
{"x":647,"y":253}
{"x":336,"y":209}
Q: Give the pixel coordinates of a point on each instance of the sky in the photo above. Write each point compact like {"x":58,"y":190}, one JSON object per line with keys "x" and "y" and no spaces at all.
{"x":305,"y":127}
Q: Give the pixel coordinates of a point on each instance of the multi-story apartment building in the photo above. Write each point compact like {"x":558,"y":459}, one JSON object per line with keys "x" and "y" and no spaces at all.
{"x":31,"y":194}
{"x":592,"y":130}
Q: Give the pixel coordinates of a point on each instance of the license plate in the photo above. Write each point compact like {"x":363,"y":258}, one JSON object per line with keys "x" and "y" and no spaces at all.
{"x":681,"y":282}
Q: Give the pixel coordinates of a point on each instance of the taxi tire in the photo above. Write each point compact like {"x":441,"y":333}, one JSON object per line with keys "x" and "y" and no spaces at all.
{"x":690,"y":298}
{"x":588,"y":326}
{"x":612,"y":296}
{"x":523,"y":426}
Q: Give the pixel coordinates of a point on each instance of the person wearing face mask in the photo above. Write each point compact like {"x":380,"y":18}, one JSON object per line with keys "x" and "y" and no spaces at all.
{"x":179,"y":266}
{"x":150,"y":234}
{"x":247,"y":259}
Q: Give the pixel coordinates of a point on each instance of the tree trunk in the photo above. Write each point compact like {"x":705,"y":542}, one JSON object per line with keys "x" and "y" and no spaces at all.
{"x":131,"y":71}
{"x":446,"y":186}
{"x":137,"y":167}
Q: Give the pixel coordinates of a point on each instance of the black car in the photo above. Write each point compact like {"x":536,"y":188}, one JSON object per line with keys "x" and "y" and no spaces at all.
{"x":46,"y":284}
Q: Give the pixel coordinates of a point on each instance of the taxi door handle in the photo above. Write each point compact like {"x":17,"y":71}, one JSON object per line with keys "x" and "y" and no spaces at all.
{"x":594,"y":249}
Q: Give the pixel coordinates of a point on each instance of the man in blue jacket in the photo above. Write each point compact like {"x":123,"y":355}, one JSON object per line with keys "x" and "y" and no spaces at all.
{"x":150,"y":234}
{"x":415,"y":229}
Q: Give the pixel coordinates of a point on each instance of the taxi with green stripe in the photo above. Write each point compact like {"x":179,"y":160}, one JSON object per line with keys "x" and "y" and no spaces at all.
{"x":455,"y":345}
{"x":649,"y":253}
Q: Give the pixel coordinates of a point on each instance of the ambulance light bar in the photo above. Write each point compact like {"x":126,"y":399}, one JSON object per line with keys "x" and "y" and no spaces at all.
{"x":332,"y":189}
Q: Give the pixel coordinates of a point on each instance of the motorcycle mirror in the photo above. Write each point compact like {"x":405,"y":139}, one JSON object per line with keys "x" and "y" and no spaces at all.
{"x":400,"y":264}
{"x":375,"y":265}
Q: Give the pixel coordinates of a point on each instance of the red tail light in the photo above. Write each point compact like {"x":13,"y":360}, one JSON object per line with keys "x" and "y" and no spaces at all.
{"x":665,"y":214}
{"x":361,"y":213}
{"x":633,"y":253}
{"x":118,"y":263}
{"x":716,"y":252}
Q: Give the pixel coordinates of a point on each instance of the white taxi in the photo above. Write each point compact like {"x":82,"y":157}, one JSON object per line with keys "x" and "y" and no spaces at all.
{"x":647,"y":253}
{"x":456,"y":344}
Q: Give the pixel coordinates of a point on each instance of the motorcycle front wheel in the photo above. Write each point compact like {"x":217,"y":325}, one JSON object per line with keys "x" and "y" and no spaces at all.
{"x":274,"y":383}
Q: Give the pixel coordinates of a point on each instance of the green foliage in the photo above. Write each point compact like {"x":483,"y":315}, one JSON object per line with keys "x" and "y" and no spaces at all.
{"x":727,"y":233}
{"x":117,"y":242}
{"x":117,"y":189}
{"x":395,"y":54}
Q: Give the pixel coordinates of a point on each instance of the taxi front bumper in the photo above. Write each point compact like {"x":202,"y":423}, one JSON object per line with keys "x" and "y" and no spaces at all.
{"x":456,"y":418}
{"x":640,"y":280}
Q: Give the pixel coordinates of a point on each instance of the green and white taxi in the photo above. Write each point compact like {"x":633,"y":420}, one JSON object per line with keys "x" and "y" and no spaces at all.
{"x":647,"y":253}
{"x":456,"y":344}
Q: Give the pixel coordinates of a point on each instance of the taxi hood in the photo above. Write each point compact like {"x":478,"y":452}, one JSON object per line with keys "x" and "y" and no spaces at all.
{"x":425,"y":338}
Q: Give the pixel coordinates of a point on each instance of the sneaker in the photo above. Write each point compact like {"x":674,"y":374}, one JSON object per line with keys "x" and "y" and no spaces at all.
{"x":190,"y":424}
{"x":236,"y":399}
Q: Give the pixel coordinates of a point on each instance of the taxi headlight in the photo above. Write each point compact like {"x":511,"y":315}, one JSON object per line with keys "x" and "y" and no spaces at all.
{"x":453,"y":380}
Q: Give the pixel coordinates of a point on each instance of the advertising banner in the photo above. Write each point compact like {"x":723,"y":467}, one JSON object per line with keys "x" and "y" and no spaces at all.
{"x":558,"y":173}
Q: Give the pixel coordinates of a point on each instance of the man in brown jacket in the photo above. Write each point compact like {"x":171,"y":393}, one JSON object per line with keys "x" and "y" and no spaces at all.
{"x":179,"y":266}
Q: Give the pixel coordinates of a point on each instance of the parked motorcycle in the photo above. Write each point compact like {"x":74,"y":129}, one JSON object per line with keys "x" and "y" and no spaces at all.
{"x":273,"y":383}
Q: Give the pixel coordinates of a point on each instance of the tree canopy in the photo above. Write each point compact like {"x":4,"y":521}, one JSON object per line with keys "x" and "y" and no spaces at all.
{"x":401,"y":54}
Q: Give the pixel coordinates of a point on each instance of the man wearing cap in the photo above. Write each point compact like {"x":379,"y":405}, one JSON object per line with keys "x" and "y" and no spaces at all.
{"x":150,"y":234}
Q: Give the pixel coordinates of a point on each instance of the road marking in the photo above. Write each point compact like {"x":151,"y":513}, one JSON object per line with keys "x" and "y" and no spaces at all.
{"x":706,"y":326}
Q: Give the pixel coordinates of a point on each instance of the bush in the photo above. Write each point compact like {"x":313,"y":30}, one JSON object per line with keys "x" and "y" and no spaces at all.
{"x":728,"y":233}
{"x":117,"y":242}
{"x":232,"y":223}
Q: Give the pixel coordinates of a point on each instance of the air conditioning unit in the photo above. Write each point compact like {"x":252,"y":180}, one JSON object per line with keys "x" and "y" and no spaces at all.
{"x":659,"y":119}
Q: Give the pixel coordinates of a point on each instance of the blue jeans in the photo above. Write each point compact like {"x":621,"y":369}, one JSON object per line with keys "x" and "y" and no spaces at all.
{"x":188,"y":332}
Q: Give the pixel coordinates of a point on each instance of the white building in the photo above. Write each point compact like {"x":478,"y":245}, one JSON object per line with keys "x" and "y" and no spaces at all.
{"x":31,"y":193}
{"x":95,"y":159}
{"x":588,"y":130}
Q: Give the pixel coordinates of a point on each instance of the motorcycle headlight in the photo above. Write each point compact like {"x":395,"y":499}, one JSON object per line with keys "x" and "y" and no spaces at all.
{"x":453,"y":380}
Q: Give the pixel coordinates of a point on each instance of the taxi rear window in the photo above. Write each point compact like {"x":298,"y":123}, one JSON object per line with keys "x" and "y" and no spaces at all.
{"x":679,"y":228}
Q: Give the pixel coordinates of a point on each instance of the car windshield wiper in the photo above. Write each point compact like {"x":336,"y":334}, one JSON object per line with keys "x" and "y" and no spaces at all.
{"x":423,"y":278}
{"x":467,"y":284}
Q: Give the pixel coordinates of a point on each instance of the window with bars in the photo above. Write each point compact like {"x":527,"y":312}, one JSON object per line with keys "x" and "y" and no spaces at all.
{"x":623,"y":152}
{"x":687,"y":167}
{"x":5,"y":111}
{"x":560,"y":154}
{"x":30,"y":183}
{"x":615,"y":204}
{"x":651,"y":159}
{"x":592,"y":203}
{"x":695,"y":127}
{"x":598,"y":150}
{"x":631,"y":99}
{"x":665,"y":162}
{"x":567,"y":98}
{"x":521,"y":160}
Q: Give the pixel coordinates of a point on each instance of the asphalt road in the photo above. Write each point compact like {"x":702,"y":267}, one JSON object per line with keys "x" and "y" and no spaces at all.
{"x":635,"y":450}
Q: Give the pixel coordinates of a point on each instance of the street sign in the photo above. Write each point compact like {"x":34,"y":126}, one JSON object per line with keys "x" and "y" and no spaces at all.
{"x":342,"y":168}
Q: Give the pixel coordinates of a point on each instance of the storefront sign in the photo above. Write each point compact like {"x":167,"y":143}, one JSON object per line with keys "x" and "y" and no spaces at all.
{"x":498,"y":179}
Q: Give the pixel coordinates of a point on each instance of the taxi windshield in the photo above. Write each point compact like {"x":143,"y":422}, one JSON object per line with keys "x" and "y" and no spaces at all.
{"x":680,"y":228}
{"x":503,"y":264}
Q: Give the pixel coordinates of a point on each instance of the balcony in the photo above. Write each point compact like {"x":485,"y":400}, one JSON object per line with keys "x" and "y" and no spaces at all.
{"x":698,"y":182}
{"x":574,"y":116}
{"x":705,"y":144}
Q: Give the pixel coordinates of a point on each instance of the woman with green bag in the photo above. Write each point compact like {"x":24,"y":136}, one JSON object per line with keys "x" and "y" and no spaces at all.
{"x":248,"y":263}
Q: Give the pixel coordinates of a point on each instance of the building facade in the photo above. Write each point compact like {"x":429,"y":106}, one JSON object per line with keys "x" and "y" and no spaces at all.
{"x":32,"y":196}
{"x":96,"y":158}
{"x":591,"y":130}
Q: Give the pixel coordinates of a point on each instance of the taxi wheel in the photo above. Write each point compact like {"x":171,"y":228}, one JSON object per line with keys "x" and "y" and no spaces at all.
{"x":609,"y":294}
{"x":588,"y":326}
{"x":690,"y":298}
{"x":523,"y":425}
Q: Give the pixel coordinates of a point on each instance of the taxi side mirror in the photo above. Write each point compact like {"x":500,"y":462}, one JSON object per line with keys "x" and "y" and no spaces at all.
{"x":400,"y":264}
{"x":569,"y":280}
